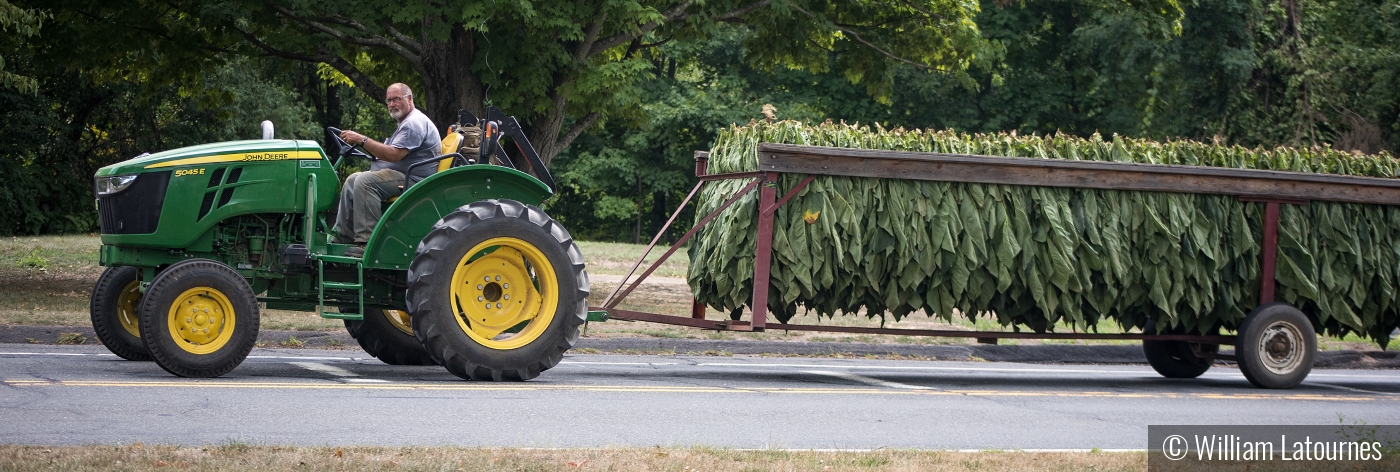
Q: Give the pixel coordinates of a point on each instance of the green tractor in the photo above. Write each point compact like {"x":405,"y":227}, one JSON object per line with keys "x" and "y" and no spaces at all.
{"x":464,"y":270}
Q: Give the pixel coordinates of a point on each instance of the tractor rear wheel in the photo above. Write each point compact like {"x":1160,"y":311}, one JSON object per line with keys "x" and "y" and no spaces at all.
{"x":116,"y":299}
{"x":388,"y":336}
{"x":497,"y":291}
{"x":199,"y":318}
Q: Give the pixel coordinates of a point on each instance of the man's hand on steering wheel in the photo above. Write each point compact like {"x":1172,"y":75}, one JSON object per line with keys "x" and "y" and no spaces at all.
{"x":353,"y":138}
{"x":345,"y":138}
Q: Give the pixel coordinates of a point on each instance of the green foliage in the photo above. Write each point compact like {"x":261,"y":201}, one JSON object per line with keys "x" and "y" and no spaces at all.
{"x":34,"y":260}
{"x":113,"y":80}
{"x":549,"y":62}
{"x":51,"y":142}
{"x":698,"y":86}
{"x":1298,"y":73}
{"x":17,"y":23}
{"x":622,"y":182}
{"x":1326,"y":73}
{"x":1037,"y":256}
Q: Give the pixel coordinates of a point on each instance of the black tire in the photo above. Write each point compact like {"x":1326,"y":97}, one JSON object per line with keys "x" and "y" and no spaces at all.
{"x":1276,"y":346}
{"x":213,"y":292}
{"x":1176,"y":359}
{"x":444,"y":316}
{"x":114,"y":306}
{"x":387,"y":340}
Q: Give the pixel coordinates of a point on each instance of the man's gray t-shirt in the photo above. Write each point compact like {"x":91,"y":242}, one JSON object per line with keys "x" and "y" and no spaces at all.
{"x":420,"y":137}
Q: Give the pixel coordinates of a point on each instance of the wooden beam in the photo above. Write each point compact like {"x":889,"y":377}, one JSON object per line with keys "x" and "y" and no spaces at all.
{"x":981,"y":335}
{"x":941,"y":167}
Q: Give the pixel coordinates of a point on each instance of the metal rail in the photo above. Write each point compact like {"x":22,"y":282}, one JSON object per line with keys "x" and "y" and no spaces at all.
{"x":989,"y":337}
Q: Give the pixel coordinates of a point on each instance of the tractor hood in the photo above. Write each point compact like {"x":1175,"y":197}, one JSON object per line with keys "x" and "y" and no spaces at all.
{"x":229,"y":151}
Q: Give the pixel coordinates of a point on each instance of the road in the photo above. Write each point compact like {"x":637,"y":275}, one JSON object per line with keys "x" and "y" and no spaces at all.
{"x":71,"y":395}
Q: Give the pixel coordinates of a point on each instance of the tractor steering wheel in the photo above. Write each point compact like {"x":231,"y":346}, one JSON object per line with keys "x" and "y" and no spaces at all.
{"x":346,"y":149}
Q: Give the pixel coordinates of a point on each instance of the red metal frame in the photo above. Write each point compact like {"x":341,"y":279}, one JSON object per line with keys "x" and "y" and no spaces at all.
{"x":614,"y":300}
{"x":1269,"y":247}
{"x":763,"y":252}
{"x":768,"y":204}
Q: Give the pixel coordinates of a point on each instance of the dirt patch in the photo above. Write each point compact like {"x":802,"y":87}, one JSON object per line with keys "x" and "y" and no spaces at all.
{"x":57,"y":298}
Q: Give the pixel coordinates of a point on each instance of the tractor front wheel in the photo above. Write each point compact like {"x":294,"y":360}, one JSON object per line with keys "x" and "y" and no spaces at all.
{"x":388,"y":336}
{"x":199,"y":318}
{"x":116,"y":299}
{"x":497,"y":291}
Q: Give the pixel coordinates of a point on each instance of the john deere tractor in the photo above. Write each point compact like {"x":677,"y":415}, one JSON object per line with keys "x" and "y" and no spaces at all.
{"x":464,"y":270}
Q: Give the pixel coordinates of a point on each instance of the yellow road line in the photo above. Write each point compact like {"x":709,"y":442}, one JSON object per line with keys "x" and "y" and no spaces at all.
{"x":679,"y":389}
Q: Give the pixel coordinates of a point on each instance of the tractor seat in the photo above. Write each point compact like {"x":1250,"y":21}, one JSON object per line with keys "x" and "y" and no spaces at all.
{"x":464,"y":139}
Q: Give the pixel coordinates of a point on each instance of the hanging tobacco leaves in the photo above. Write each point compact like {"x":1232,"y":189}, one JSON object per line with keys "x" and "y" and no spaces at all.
{"x":1035,"y":256}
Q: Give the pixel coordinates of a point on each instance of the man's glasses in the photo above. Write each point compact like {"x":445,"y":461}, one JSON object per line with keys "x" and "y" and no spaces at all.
{"x":396,"y":99}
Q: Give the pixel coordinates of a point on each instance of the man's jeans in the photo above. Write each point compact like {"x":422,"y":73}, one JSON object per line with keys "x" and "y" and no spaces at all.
{"x":360,"y":203}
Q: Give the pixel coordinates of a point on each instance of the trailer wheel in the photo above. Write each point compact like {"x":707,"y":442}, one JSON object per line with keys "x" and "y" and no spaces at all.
{"x":116,"y":299}
{"x":199,"y":318}
{"x":497,"y":291}
{"x":1175,"y":359}
{"x":1276,"y":346}
{"x":388,"y":336}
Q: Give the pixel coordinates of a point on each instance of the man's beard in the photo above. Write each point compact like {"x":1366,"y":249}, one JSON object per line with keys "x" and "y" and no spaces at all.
{"x":397,"y":115}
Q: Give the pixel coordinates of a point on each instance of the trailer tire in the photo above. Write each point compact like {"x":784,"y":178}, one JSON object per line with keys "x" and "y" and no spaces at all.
{"x":217,"y":334}
{"x":1174,"y":359}
{"x":388,"y":336}
{"x":464,"y":274}
{"x":1275,"y":346}
{"x":115,"y":303}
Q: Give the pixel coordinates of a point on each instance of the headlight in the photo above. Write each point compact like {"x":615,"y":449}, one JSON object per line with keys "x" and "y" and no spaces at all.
{"x":114,"y":184}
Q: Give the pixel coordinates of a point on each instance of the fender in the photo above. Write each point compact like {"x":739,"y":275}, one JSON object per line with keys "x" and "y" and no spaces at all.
{"x":413,"y":215}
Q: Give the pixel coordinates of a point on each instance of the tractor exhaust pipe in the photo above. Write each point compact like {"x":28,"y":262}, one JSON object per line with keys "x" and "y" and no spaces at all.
{"x":267,"y":129}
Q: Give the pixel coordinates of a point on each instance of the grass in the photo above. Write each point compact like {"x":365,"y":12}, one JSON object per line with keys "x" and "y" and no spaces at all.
{"x":68,"y":252}
{"x":48,"y":279}
{"x":617,"y":259}
{"x":243,"y":456}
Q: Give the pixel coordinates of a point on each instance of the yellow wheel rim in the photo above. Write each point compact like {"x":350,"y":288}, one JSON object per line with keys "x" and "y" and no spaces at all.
{"x":201,"y":320}
{"x":399,"y":319}
{"x":500,"y":284}
{"x":127,"y":302}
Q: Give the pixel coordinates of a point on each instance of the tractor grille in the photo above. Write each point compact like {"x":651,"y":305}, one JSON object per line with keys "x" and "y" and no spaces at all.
{"x":219,"y":188}
{"x":135,"y":210}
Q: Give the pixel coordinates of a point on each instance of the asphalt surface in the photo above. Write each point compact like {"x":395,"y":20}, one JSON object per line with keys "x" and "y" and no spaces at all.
{"x":72,"y":395}
{"x":1092,"y":353}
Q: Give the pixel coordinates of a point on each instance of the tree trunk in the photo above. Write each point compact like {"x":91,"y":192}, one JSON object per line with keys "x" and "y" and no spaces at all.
{"x":545,"y":132}
{"x":450,"y":85}
{"x":447,"y":77}
{"x":658,"y":208}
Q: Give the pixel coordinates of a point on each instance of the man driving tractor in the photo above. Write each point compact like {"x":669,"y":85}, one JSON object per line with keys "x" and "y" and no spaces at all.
{"x":415,"y":140}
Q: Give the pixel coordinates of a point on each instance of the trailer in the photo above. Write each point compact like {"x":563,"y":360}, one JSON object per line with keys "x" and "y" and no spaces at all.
{"x":1274,"y":346}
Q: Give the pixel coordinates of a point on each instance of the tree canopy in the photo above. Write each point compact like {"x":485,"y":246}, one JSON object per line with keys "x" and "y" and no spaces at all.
{"x":561,"y":66}
{"x":24,"y":23}
{"x":659,"y":78}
